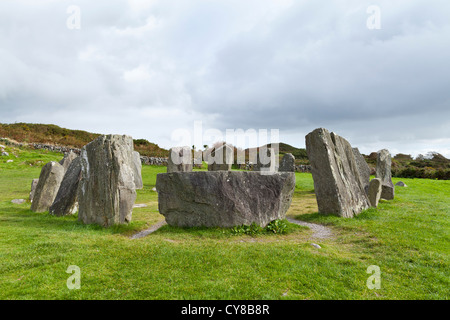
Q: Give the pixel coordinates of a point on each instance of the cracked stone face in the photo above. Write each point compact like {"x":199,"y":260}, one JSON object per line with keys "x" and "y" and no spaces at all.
{"x":224,"y":198}
{"x":107,"y":190}
{"x":337,"y":183}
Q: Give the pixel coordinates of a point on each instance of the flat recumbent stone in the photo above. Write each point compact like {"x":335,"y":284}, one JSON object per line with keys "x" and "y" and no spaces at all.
{"x":224,"y":198}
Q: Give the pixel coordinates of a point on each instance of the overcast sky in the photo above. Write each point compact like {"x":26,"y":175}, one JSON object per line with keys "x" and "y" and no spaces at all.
{"x":150,"y":68}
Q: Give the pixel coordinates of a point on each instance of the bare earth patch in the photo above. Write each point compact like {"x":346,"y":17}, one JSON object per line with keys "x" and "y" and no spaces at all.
{"x":146,"y":232}
{"x":319,"y":231}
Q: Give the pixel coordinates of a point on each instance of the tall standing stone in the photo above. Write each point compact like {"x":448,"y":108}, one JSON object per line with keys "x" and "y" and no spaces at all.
{"x":47,"y":188}
{"x":221,"y":158}
{"x":180,"y":160}
{"x":137,"y":169}
{"x":363,"y":169}
{"x":33,"y":188}
{"x":374,"y":192}
{"x":107,"y":191}
{"x":67,"y":160}
{"x":336,"y":177}
{"x":66,"y":201}
{"x":384,"y":173}
{"x":287,"y":163}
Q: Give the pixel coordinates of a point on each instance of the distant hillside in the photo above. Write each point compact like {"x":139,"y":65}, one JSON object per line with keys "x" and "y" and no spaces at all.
{"x":52,"y":134}
{"x":299,"y":153}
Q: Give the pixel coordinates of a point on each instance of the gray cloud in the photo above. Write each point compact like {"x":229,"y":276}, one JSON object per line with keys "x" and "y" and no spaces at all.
{"x":147,"y":68}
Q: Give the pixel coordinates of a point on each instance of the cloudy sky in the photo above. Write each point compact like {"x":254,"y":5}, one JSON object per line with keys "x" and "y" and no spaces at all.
{"x":152,"y":68}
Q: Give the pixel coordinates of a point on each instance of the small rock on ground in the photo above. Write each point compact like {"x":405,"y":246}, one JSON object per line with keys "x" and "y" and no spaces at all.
{"x":140,"y":205}
{"x":18,"y":201}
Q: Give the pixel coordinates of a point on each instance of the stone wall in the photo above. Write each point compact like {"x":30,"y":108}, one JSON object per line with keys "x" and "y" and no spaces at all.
{"x":49,"y":147}
{"x":155,"y":161}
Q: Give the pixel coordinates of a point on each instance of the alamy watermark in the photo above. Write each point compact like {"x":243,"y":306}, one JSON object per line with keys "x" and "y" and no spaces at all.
{"x":374,"y":20}
{"x":222,"y":151}
{"x":74,"y":281}
{"x":73,"y":22}
{"x":374,"y":281}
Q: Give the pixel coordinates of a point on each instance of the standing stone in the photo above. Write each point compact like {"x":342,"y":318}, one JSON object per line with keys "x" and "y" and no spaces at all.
{"x":384,"y":173}
{"x":221,"y":158}
{"x":267,"y":160}
{"x":374,"y":192}
{"x":363,"y":169}
{"x":180,"y":160}
{"x":33,"y":188}
{"x":137,"y":169}
{"x":336,"y":177}
{"x":107,"y":192}
{"x":67,"y":160}
{"x":287,"y":163}
{"x":47,"y":188}
{"x":66,"y":199}
{"x":224,"y":198}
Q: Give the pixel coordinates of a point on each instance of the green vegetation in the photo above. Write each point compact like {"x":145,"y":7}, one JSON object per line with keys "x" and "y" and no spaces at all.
{"x":52,"y":134}
{"x":431,"y":166}
{"x":274,"y":227}
{"x":408,"y":238}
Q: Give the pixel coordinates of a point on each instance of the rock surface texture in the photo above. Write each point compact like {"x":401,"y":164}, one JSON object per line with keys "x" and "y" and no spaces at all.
{"x":374,"y":192}
{"x":363,"y":168}
{"x":287,"y":163}
{"x":180,"y":160}
{"x":66,"y":201}
{"x":137,"y":170}
{"x":34,"y":183}
{"x":107,"y":191}
{"x":47,"y":188}
{"x":221,"y":158}
{"x":337,"y":183}
{"x":224,"y":198}
{"x":384,"y":163}
{"x":67,"y":160}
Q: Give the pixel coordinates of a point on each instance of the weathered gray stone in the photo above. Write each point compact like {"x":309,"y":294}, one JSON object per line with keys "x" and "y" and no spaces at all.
{"x":107,"y":191}
{"x":66,"y":199}
{"x":363,"y":169}
{"x":287,"y":163}
{"x":400,"y":184}
{"x":4,"y":153}
{"x":224,"y":198}
{"x":336,"y":176}
{"x":384,"y":162}
{"x":33,"y":188}
{"x":18,"y":201}
{"x":221,"y":158}
{"x":180,"y":160}
{"x":374,"y":192}
{"x":137,"y":170}
{"x":47,"y":188}
{"x":267,"y":160}
{"x":67,"y":160}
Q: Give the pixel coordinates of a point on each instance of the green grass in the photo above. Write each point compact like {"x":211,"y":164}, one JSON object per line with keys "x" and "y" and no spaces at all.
{"x":408,"y":238}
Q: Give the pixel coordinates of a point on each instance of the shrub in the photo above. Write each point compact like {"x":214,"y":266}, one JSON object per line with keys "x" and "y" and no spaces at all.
{"x":276,"y":226}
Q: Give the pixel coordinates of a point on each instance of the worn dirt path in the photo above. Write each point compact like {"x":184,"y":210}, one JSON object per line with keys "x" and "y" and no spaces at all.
{"x":319,"y":231}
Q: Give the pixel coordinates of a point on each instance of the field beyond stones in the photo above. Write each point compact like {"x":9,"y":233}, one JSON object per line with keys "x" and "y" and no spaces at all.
{"x":408,"y":238}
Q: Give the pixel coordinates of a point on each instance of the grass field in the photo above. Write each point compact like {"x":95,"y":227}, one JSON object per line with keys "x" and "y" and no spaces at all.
{"x":408,"y":238}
